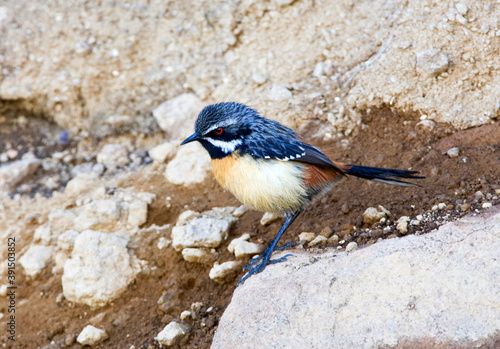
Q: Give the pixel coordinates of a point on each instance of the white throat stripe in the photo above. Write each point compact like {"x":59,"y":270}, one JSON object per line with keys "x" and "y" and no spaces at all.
{"x":226,"y":147}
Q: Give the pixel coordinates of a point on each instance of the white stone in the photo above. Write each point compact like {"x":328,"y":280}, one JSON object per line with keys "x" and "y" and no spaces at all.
{"x":453,"y":152}
{"x":279,"y":93}
{"x":91,"y":336}
{"x":486,"y":205}
{"x":35,"y":259}
{"x":177,"y":115}
{"x":186,"y":314}
{"x":190,"y":166}
{"x":186,"y":216}
{"x":222,"y":272}
{"x":441,"y":287}
{"x":373,"y":215}
{"x":269,"y":218}
{"x":163,"y":243}
{"x":318,"y":240}
{"x":462,"y":8}
{"x":43,"y":234}
{"x":240,"y":211}
{"x":402,"y":224}
{"x":102,"y":215}
{"x":16,"y":172}
{"x":3,"y":290}
{"x":433,"y":62}
{"x":81,"y":183}
{"x":306,"y":236}
{"x":61,"y":220}
{"x":259,"y":79}
{"x":351,"y":247}
{"x":113,"y":155}
{"x":241,"y":247}
{"x":99,"y":270}
{"x":164,"y":151}
{"x":207,"y":230}
{"x":198,"y":255}
{"x":318,"y":69}
{"x":66,"y":241}
{"x":283,"y":2}
{"x":4,"y":13}
{"x":172,"y":334}
{"x":137,"y":213}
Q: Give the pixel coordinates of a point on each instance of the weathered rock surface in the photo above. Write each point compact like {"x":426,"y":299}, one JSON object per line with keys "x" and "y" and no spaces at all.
{"x":208,"y":229}
{"x":172,"y":333}
{"x":190,"y":166}
{"x":15,"y":172}
{"x":35,"y":259}
{"x":91,"y":336}
{"x":442,"y":288}
{"x":176,"y":116}
{"x":99,"y":270}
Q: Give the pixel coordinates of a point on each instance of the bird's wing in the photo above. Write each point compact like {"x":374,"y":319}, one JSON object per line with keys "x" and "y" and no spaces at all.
{"x":288,"y":149}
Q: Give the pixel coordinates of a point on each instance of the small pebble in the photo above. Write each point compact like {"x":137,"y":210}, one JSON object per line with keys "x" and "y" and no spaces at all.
{"x":91,"y":336}
{"x":453,"y":152}
{"x":402,"y":224}
{"x":433,"y":62}
{"x":465,"y":207}
{"x":259,"y":79}
{"x":185,"y":315}
{"x":172,"y":333}
{"x":269,"y":218}
{"x":318,"y":241}
{"x":441,"y":206}
{"x":333,"y":240}
{"x":487,"y":204}
{"x":351,"y":247}
{"x":462,"y":8}
{"x":307,"y":237}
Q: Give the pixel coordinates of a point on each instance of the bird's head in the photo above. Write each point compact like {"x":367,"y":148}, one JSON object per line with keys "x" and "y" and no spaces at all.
{"x":222,"y":128}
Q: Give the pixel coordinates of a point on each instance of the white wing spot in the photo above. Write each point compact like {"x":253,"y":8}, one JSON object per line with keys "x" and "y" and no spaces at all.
{"x":267,"y":157}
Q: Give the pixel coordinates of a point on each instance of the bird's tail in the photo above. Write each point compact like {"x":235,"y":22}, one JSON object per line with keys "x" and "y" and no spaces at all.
{"x":383,"y":175}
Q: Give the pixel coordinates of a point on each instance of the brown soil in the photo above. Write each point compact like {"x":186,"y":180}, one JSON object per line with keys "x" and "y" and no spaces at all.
{"x":386,"y":140}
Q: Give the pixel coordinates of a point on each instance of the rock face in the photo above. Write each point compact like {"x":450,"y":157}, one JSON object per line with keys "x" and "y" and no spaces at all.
{"x":177,"y":116}
{"x":15,"y":172}
{"x":190,"y":165}
{"x":442,"y":288}
{"x":206,"y":230}
{"x":99,"y":270}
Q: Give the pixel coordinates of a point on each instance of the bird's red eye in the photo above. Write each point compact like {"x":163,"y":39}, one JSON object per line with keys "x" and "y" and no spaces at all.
{"x":219,"y":130}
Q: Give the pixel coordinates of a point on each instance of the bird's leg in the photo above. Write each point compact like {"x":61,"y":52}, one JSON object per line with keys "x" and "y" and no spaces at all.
{"x":266,"y":255}
{"x":262,"y":255}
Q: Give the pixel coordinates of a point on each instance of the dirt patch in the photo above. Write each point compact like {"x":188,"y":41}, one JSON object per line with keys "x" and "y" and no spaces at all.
{"x":386,"y":139}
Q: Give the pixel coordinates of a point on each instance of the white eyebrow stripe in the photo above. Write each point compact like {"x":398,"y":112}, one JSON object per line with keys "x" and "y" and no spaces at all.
{"x":223,"y":124}
{"x":226,"y":147}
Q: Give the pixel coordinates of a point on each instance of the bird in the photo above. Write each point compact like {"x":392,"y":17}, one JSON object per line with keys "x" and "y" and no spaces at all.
{"x":268,"y":167}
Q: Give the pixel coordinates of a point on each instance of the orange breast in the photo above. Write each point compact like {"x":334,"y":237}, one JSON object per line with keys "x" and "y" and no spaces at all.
{"x":262,"y":184}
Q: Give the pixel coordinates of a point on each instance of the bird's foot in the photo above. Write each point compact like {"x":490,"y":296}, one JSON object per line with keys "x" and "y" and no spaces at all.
{"x":255,"y":269}
{"x":254,"y":260}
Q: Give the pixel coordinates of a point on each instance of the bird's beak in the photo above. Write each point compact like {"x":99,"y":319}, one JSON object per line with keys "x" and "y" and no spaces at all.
{"x":193,"y":137}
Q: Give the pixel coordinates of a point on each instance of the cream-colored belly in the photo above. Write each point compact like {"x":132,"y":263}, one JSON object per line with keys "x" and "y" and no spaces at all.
{"x":261,"y":184}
